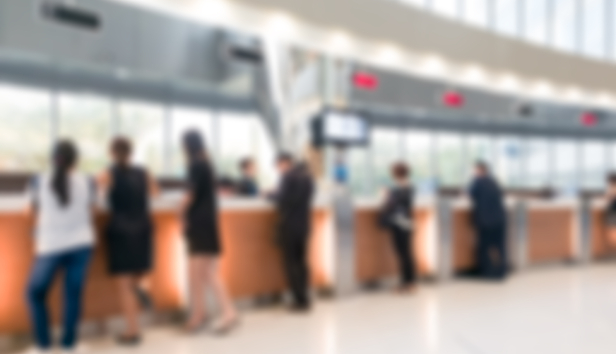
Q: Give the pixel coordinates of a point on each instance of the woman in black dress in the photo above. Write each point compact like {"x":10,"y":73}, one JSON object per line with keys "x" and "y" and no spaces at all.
{"x":202,"y":233}
{"x":397,"y":218}
{"x":129,"y":231}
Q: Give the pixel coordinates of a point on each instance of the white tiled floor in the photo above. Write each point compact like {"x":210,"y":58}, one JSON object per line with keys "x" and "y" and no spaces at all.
{"x":562,"y":309}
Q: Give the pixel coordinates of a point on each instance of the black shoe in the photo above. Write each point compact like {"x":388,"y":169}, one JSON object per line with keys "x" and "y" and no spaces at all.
{"x":129,"y":341}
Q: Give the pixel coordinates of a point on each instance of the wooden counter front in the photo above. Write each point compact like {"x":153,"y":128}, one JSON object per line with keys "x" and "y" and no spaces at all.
{"x":101,"y":300}
{"x":374,"y":255}
{"x":251,"y":264}
{"x":601,"y":246}
{"x":551,"y":234}
{"x":463,"y":240}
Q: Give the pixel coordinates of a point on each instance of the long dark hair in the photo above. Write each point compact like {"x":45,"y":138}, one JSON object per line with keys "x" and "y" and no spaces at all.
{"x":194,"y":147}
{"x":65,"y":156}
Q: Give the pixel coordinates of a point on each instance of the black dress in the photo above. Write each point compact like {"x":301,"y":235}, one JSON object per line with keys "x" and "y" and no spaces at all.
{"x":130,"y":228}
{"x":610,"y":215}
{"x":397,"y":217}
{"x":202,"y":214}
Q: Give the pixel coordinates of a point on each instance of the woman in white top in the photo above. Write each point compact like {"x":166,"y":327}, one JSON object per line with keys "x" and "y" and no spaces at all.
{"x":63,"y":200}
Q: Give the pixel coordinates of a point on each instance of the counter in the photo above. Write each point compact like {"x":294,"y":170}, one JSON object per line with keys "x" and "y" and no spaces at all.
{"x":374,"y":255}
{"x":251,"y":264}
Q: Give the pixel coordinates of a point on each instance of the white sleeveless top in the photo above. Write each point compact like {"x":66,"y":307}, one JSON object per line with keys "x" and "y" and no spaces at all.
{"x":64,"y":228}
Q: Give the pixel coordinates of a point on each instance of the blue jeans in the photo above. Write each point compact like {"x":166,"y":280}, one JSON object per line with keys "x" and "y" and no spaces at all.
{"x":75,"y":265}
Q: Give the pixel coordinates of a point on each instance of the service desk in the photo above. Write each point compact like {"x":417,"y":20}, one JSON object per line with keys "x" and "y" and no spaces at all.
{"x":600,"y":247}
{"x":250,"y":265}
{"x":374,"y":255}
{"x":552,"y":231}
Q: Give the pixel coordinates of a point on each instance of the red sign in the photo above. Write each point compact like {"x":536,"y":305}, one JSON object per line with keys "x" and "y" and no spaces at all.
{"x":453,"y":99}
{"x":589,"y":119}
{"x":365,"y":81}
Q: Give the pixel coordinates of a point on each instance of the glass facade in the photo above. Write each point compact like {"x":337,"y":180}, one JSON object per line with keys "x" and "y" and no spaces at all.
{"x":31,"y":119}
{"x":584,"y":27}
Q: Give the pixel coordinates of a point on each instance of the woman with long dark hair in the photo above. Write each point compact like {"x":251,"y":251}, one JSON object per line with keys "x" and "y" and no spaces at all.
{"x":129,"y":231}
{"x":63,"y":200}
{"x":202,"y":232}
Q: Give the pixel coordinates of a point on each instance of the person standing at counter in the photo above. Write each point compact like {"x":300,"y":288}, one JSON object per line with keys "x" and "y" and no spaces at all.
{"x":63,"y":202}
{"x":490,"y":220}
{"x":129,"y":232}
{"x":247,"y":185}
{"x":397,"y":217}
{"x":294,"y":205}
{"x":202,"y":232}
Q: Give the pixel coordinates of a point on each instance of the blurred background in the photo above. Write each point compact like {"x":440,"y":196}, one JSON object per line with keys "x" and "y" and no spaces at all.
{"x":524,"y":85}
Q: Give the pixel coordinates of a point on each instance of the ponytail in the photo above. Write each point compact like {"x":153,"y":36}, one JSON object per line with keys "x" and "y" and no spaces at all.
{"x":64,"y":158}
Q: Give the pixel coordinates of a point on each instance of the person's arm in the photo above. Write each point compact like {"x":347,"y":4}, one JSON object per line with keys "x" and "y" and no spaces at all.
{"x":103,"y":183}
{"x":153,"y":187}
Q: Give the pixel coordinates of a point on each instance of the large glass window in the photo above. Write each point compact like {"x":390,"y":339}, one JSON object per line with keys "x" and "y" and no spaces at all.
{"x":509,"y":167}
{"x":244,"y":136}
{"x":565,"y":24}
{"x":359,"y":171}
{"x":448,"y":8}
{"x":418,"y":151}
{"x":25,"y":129}
{"x":507,"y":14}
{"x":481,"y":148}
{"x":87,"y":120}
{"x":536,"y":21}
{"x":594,"y":28}
{"x":476,"y":12}
{"x":386,"y":149}
{"x":183,"y":119}
{"x":537,"y":161}
{"x":594,"y":165}
{"x":565,"y":165}
{"x":450,"y":159}
{"x":144,"y":124}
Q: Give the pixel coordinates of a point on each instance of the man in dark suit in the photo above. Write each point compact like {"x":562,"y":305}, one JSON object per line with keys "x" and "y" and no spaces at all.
{"x":247,"y":185}
{"x":293,"y":202}
{"x":490,"y":221}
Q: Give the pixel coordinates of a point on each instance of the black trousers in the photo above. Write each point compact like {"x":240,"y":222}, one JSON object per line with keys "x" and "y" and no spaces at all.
{"x":295,"y":257}
{"x":492,"y":251}
{"x":403,"y":246}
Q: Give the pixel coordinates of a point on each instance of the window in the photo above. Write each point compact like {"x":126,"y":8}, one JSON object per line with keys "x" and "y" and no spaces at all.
{"x":243,"y":136}
{"x":449,"y":8}
{"x":450,"y":159}
{"x":594,"y":28}
{"x":386,"y":149}
{"x":537,"y":160}
{"x":476,"y":12}
{"x":87,"y":120}
{"x":536,"y":21}
{"x":507,"y":14}
{"x":509,"y":151}
{"x":481,"y":148}
{"x":565,"y":24}
{"x":144,"y":124}
{"x":25,"y":129}
{"x":594,"y":165}
{"x":418,"y":151}
{"x":359,"y":171}
{"x":183,"y":119}
{"x":565,"y":166}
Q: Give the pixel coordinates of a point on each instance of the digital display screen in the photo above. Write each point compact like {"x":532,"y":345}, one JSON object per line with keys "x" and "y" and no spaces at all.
{"x":341,"y":128}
